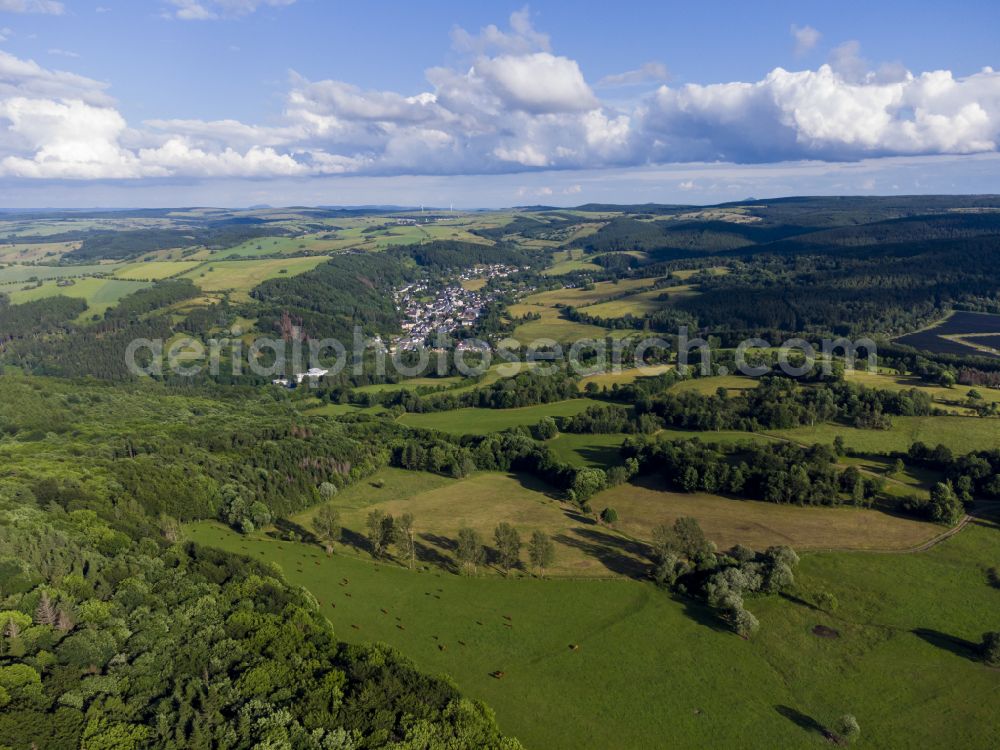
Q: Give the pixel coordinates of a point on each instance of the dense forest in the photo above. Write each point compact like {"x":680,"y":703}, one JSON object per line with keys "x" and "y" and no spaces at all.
{"x":117,"y":635}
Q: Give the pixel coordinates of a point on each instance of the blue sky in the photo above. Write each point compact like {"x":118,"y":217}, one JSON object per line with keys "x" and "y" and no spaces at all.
{"x":307,"y":101}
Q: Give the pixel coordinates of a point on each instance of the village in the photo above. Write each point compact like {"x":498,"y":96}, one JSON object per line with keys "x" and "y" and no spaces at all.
{"x":428,"y":312}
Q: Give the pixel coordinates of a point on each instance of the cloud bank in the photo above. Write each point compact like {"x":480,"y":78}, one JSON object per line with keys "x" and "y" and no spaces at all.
{"x":512,"y":104}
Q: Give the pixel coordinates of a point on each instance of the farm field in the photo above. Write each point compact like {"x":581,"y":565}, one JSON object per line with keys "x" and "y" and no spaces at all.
{"x":647,"y":503}
{"x":958,"y":323}
{"x":240,"y":276}
{"x":960,"y":434}
{"x":898,"y":662}
{"x":100,"y":294}
{"x":472,"y":421}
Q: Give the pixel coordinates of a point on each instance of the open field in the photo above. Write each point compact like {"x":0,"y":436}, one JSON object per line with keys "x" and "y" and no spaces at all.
{"x":961,"y":434}
{"x":100,"y":294}
{"x":600,"y":451}
{"x":313,"y":409}
{"x":708,"y":386}
{"x":19,"y":274}
{"x":551,"y":326}
{"x":443,"y":506}
{"x":32,"y":252}
{"x":547,"y":305}
{"x":647,"y":503}
{"x":641,"y":303}
{"x":474,"y":421}
{"x":240,"y":276}
{"x":389,"y":483}
{"x":952,"y":397}
{"x":566,"y":261}
{"x":941,"y":338}
{"x":608,"y":379}
{"x":155,"y":270}
{"x":473,"y":285}
{"x":583,"y":296}
{"x":900,"y":662}
{"x":687,"y":273}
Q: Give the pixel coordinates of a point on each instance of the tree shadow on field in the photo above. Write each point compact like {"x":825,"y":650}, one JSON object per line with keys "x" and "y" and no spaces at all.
{"x":284,"y":527}
{"x":954,"y":644}
{"x":431,"y":551}
{"x":355,"y":540}
{"x":704,"y":615}
{"x":616,"y":554}
{"x":529,"y":482}
{"x":601,"y":456}
{"x":808,"y":723}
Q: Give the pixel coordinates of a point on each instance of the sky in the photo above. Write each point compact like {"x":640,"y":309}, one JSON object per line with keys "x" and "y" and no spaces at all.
{"x":241,"y":102}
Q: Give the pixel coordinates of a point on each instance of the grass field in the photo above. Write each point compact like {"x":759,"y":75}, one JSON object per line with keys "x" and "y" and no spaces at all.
{"x":31,"y":252}
{"x":668,"y":675}
{"x":155,"y":270}
{"x":953,"y":396}
{"x":443,"y":506}
{"x":961,"y":434}
{"x":641,"y":303}
{"x":336,"y":410}
{"x":600,"y":451}
{"x":608,"y":379}
{"x":100,"y":294}
{"x":473,"y":421}
{"x":647,"y":503}
{"x":551,"y":326}
{"x":566,"y":261}
{"x":19,"y":274}
{"x":240,"y":276}
{"x":708,"y":386}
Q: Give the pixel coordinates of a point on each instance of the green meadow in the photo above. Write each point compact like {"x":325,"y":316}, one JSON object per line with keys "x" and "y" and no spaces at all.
{"x":961,"y":434}
{"x":649,"y":670}
{"x":473,"y":421}
{"x":100,"y":294}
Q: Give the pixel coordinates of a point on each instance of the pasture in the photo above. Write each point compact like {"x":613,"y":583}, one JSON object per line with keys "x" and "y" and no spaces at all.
{"x":707,"y":386}
{"x":644,"y":504}
{"x":567,"y":261}
{"x":155,"y":270}
{"x":100,"y":294}
{"x":955,"y":396}
{"x":626,"y":376}
{"x":474,"y":421}
{"x":641,"y":303}
{"x":19,"y":274}
{"x":33,"y":252}
{"x":901,"y":661}
{"x":443,"y":506}
{"x":960,"y":434}
{"x":240,"y":276}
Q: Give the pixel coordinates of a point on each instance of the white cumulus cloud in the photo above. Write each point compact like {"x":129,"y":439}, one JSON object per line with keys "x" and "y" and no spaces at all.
{"x":507,"y":104}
